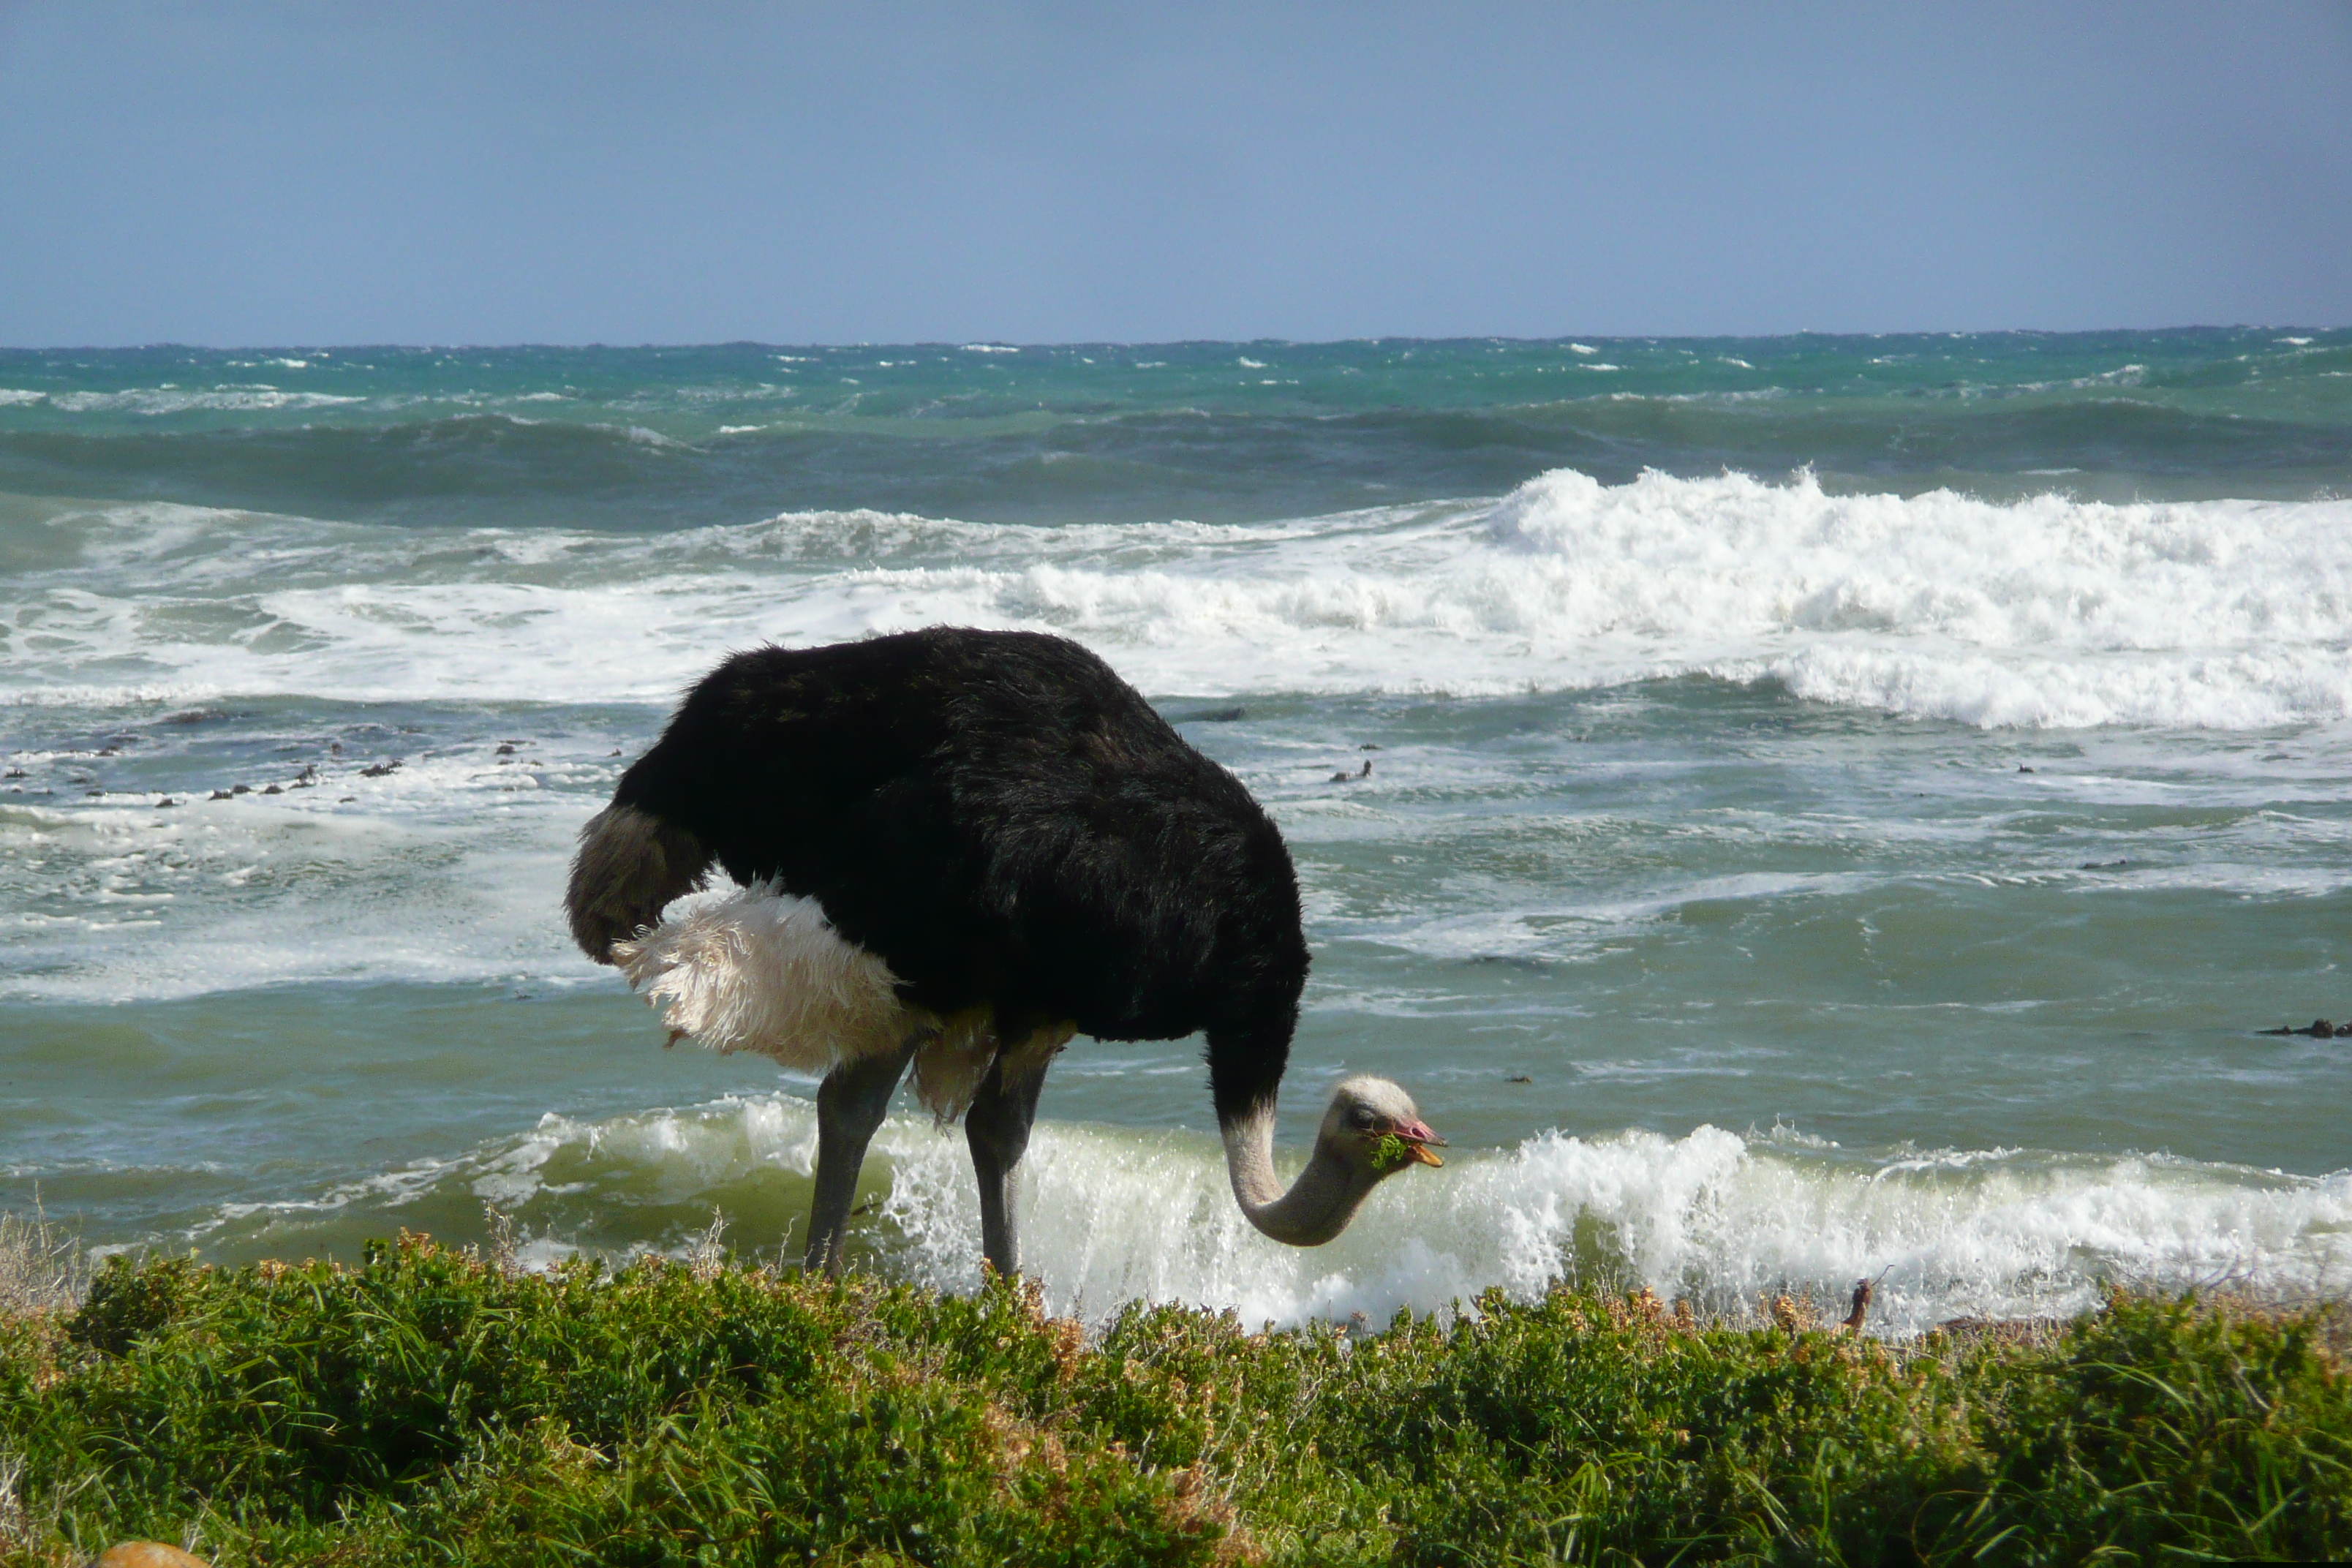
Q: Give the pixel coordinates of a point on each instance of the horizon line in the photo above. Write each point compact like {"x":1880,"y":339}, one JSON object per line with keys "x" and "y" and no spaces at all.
{"x":1005,"y":344}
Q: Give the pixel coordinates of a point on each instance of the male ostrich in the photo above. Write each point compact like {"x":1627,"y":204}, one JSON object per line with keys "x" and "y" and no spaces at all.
{"x":957,"y":848}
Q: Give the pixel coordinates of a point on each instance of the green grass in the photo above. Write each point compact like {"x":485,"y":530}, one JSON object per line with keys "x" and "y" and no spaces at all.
{"x":428,"y":1408}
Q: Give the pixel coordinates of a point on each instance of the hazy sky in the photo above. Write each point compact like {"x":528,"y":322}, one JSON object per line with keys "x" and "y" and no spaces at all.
{"x":319,"y":173}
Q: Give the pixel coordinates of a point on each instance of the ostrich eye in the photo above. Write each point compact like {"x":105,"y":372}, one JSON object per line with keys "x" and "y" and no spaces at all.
{"x":1363,"y":1116}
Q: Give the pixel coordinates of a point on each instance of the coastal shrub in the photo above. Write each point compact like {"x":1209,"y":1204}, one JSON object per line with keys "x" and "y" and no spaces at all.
{"x":425,"y":1406}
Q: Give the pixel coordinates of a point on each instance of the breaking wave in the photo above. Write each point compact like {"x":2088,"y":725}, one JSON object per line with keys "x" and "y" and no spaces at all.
{"x":2043,"y":613}
{"x":1112,"y":1216}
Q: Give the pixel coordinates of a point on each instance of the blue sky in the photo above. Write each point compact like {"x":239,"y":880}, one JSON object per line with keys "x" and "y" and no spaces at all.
{"x":308,"y":174}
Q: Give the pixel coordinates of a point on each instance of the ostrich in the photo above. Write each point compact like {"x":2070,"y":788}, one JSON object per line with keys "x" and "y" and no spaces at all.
{"x":955,"y":849}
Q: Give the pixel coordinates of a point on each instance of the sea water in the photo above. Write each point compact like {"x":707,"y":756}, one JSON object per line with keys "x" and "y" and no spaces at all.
{"x":1835,"y":807}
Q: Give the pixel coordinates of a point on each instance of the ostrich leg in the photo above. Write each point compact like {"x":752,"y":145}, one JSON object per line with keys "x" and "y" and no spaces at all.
{"x":997,"y":1130}
{"x":850,"y":1104}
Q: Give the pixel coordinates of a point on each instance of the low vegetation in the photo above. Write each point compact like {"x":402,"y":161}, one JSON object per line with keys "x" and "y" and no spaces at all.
{"x":429,"y":1406}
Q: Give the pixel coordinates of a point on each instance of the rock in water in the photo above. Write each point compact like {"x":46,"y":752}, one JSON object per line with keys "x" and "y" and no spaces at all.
{"x":146,"y":1554}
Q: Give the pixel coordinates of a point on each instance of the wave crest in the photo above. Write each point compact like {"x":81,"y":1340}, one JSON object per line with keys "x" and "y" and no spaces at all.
{"x":1719,"y":1218}
{"x":2045,"y":612}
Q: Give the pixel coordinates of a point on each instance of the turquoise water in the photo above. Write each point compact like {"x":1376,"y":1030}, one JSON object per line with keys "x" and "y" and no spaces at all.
{"x":1835,"y":803}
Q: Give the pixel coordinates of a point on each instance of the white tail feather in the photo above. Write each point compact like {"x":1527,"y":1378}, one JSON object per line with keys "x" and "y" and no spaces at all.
{"x":761,"y":970}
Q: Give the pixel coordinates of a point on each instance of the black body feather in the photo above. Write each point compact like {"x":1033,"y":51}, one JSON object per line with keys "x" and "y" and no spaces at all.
{"x":1003,"y":821}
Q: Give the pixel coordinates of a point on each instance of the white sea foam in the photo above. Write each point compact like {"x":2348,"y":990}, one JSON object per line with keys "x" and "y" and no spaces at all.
{"x":446,"y":870}
{"x":157,"y":400}
{"x":2046,"y":612}
{"x":1111,"y":1216}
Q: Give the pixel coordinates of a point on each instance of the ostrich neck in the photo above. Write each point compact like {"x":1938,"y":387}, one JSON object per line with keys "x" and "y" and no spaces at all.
{"x":1317,"y":1207}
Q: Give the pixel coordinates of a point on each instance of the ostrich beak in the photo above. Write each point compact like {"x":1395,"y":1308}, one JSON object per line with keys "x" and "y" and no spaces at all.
{"x":1417,"y":1139}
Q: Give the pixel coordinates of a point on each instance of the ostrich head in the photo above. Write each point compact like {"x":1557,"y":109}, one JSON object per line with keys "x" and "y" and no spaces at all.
{"x":1374,"y":1123}
{"x":1372,"y":1131}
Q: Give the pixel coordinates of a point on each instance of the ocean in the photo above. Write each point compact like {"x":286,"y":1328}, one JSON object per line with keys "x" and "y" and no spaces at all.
{"x":1836,"y":806}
